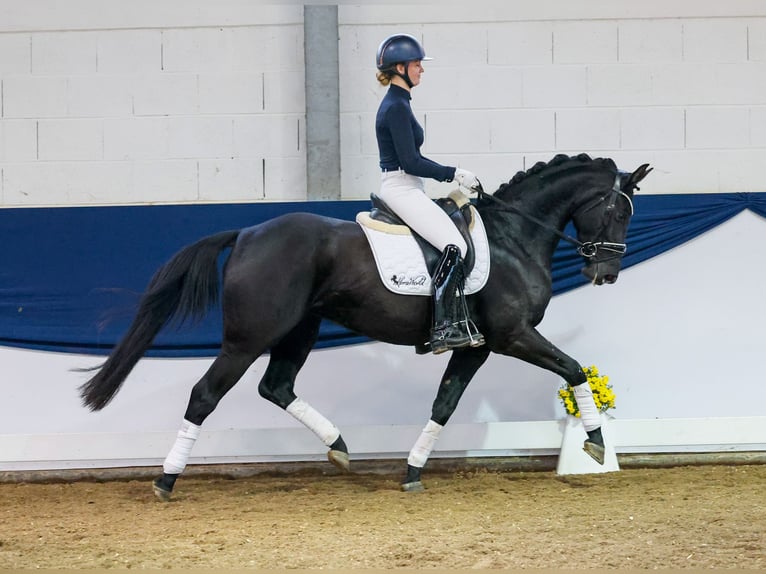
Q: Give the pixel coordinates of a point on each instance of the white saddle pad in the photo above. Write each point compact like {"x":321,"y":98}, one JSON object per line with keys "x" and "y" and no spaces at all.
{"x":400,"y":261}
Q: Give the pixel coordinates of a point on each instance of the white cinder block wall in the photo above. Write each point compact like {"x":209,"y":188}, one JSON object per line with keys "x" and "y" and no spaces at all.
{"x":205,"y":102}
{"x":678,"y":84}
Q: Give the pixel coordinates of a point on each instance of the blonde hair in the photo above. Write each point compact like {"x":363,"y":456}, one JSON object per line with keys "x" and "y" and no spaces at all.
{"x":384,"y":78}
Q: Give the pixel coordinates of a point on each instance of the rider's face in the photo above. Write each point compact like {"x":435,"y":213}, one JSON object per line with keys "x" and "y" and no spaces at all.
{"x":414,"y":70}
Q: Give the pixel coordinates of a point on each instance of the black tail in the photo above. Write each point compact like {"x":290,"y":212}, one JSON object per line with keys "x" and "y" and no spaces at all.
{"x":185,"y":287}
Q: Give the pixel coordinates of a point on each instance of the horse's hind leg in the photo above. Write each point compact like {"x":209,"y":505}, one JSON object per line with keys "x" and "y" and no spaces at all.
{"x":461,"y":368}
{"x":278,"y":383}
{"x":222,"y":375}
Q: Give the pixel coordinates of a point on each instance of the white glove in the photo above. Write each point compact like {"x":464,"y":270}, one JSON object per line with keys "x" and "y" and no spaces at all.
{"x":467,"y":179}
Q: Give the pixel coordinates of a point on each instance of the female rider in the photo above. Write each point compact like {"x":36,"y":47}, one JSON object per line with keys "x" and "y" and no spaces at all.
{"x":399,"y":138}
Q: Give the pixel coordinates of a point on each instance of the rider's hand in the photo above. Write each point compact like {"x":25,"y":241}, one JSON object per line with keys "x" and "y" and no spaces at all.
{"x":467,"y":179}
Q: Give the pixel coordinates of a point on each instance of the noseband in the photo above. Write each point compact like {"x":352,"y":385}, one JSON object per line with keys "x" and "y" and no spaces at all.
{"x":587,"y":249}
{"x":590,"y":249}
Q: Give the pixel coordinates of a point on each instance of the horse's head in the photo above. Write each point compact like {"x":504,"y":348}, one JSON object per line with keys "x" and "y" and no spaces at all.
{"x":602,"y":225}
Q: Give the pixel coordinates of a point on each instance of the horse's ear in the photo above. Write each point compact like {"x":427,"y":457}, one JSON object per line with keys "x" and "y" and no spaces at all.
{"x":640,"y":173}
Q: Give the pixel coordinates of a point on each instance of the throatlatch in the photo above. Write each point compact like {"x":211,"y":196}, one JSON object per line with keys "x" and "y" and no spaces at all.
{"x":452,"y":327}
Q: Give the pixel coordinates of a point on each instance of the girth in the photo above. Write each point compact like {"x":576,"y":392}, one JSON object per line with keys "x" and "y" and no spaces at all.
{"x":457,"y":206}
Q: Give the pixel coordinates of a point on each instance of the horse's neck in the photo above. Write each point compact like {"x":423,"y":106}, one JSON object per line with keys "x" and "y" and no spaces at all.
{"x":551,"y":207}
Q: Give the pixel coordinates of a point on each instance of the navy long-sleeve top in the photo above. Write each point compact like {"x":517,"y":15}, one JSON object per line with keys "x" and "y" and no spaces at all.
{"x":400,"y":137}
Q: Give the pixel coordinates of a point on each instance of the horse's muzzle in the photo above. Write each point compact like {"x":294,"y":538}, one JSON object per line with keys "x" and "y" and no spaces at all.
{"x":601,"y":273}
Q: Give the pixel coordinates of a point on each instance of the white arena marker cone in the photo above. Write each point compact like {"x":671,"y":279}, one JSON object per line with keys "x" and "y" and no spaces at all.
{"x":574,"y":460}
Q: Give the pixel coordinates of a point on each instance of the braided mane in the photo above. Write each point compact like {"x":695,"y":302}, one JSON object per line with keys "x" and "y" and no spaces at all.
{"x":541,"y":166}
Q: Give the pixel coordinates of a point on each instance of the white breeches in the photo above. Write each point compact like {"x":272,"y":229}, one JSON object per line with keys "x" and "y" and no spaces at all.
{"x":404,"y":193}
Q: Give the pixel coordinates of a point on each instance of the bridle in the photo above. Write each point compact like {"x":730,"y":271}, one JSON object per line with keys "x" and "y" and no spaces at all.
{"x":587,"y":249}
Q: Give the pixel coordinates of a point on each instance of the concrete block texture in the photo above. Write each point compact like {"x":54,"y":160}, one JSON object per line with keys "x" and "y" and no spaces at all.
{"x":585,"y":42}
{"x":34,"y":97}
{"x":352,"y":130}
{"x":268,"y":135}
{"x":449,"y":132}
{"x":99,"y":96}
{"x":226,"y":93}
{"x":70,"y":140}
{"x":650,"y":41}
{"x":519,"y":43}
{"x":455,"y":45}
{"x":757,"y":127}
{"x":652,"y":128}
{"x":15,"y":54}
{"x":165,"y":181}
{"x":284,"y":91}
{"x":484,"y":88}
{"x":64,"y":53}
{"x":285,"y":179}
{"x":518,"y":131}
{"x":555,"y":86}
{"x":588,"y":129}
{"x":756,"y":40}
{"x":167,"y":94}
{"x":231,"y":180}
{"x":715,"y":40}
{"x":130,"y":51}
{"x":620,"y":85}
{"x":135,"y":138}
{"x":705,"y":171}
{"x":360,"y":92}
{"x":359,"y":176}
{"x":181,"y":103}
{"x":718,"y":128}
{"x":18,"y":140}
{"x":233,"y":49}
{"x":200,"y":137}
{"x":67,"y":183}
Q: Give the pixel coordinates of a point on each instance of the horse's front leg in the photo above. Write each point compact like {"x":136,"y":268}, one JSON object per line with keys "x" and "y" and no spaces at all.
{"x":461,"y":368}
{"x":535,"y":349}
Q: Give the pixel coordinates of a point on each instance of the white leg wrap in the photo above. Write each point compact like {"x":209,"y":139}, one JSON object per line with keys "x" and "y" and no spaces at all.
{"x":179,"y":454}
{"x":588,"y":411}
{"x":424,"y":445}
{"x":321,"y":427}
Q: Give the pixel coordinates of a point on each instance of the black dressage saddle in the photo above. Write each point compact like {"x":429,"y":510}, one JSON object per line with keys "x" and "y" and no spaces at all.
{"x":456,"y":206}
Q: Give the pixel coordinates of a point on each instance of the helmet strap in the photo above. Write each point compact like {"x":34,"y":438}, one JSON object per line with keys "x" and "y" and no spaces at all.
{"x":405,"y":76}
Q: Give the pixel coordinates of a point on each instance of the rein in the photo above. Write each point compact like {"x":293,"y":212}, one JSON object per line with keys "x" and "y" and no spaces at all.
{"x":587,"y":249}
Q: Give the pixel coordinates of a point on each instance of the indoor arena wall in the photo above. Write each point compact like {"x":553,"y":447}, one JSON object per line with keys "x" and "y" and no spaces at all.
{"x":135,"y":108}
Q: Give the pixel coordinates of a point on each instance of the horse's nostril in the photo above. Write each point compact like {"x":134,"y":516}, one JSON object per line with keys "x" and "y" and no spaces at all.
{"x":610,"y":279}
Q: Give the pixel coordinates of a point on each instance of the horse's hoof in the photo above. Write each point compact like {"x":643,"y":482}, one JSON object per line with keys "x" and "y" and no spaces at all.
{"x":596,"y":451}
{"x":339,"y":459}
{"x":161,"y":494}
{"x":416,"y":486}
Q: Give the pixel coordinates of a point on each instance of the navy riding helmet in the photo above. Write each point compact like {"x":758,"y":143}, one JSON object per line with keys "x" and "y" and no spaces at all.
{"x":399,"y":49}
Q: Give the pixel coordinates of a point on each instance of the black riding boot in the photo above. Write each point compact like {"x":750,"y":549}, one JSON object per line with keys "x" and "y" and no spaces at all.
{"x":450,"y":314}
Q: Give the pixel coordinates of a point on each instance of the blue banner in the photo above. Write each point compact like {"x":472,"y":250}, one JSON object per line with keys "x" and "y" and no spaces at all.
{"x":70,"y":277}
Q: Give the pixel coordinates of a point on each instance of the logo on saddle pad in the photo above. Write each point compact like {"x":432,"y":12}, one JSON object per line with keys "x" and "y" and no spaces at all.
{"x":400,"y":261}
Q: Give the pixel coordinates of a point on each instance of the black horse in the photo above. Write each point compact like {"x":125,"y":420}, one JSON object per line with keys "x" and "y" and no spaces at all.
{"x":285,"y":275}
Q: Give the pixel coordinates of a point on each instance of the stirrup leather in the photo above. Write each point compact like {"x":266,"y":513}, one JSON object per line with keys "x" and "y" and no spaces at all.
{"x":452,"y":326}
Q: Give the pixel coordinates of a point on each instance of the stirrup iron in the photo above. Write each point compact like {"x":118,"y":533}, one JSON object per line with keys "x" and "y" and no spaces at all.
{"x":477,"y":339}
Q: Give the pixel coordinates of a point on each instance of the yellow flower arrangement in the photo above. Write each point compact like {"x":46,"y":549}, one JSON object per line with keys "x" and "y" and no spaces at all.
{"x":602,"y":392}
